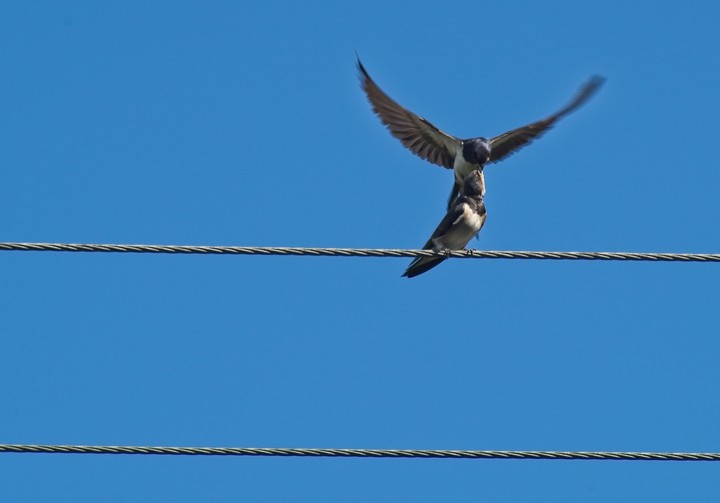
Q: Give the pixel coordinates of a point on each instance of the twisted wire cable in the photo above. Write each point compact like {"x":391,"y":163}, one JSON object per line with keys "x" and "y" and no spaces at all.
{"x":358,"y":453}
{"x":358,"y":252}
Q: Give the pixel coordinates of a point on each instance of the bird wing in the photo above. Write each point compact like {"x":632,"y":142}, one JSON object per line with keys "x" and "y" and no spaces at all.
{"x":453,"y":216}
{"x":507,"y":143}
{"x":415,"y":132}
{"x":423,"y":264}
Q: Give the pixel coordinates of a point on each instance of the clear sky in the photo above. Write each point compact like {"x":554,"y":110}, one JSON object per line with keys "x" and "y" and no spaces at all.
{"x":242,"y":123}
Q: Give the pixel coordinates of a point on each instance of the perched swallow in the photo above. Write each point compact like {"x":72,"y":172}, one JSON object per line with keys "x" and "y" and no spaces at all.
{"x":462,"y":156}
{"x":462,"y":222}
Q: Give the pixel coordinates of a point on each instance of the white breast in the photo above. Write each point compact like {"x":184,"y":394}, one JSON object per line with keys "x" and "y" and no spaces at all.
{"x":463,"y":230}
{"x":461,"y":168}
{"x":473,"y":220}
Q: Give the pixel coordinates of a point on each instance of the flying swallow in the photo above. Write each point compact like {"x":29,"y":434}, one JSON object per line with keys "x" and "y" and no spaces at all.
{"x":462,"y":156}
{"x":463,"y":221}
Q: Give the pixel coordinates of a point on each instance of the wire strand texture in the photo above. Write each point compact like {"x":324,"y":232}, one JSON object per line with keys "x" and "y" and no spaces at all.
{"x":358,"y":252}
{"x":358,"y":453}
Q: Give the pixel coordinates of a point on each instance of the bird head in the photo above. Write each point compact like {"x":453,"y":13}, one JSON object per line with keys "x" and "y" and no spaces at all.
{"x":476,"y":151}
{"x":474,"y":185}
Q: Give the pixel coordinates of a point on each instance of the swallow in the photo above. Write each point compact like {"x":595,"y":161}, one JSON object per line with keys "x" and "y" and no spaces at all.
{"x":463,"y":221}
{"x":425,"y":140}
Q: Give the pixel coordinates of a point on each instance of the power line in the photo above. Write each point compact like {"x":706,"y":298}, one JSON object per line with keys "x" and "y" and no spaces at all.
{"x":359,"y":453}
{"x":359,"y":252}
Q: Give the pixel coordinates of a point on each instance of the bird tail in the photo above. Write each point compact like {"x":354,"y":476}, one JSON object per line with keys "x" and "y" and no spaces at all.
{"x":453,"y":195}
{"x":421,"y":265}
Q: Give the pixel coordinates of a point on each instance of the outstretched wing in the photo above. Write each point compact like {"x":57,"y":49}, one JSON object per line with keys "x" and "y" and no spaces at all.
{"x":416,"y":133}
{"x":507,"y":143}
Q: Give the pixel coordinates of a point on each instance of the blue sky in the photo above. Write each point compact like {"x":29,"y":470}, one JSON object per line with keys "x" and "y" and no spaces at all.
{"x":231,"y":123}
